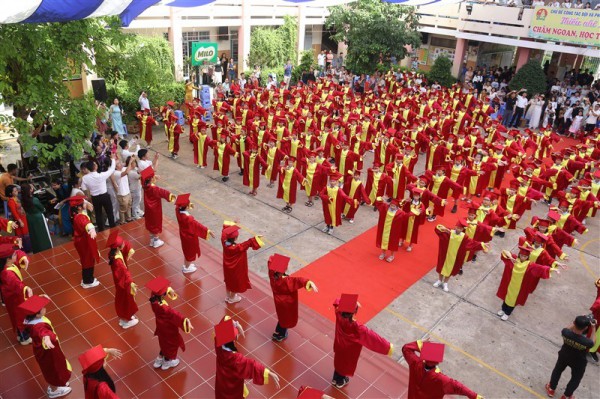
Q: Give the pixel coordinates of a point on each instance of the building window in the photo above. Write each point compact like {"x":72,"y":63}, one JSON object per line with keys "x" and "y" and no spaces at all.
{"x":233,"y":42}
{"x":187,"y":39}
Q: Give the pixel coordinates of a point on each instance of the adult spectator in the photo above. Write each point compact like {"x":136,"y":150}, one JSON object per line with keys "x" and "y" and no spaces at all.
{"x":341,"y":60}
{"x":509,"y":105}
{"x":328,"y":59}
{"x":231,"y":69}
{"x":519,"y":108}
{"x":321,"y":60}
{"x":9,"y":178}
{"x":128,"y":149}
{"x":135,"y":187}
{"x":143,"y":100}
{"x":115,"y":114}
{"x":592,"y":118}
{"x":573,"y":354}
{"x":145,"y":161}
{"x":120,"y":176}
{"x":287,"y":73}
{"x":95,"y":183}
{"x":36,"y":221}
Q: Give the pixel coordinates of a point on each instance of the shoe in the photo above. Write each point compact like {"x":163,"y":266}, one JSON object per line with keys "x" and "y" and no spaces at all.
{"x":594,"y":355}
{"x":58,"y":392}
{"x":330,"y":230}
{"x":175,"y":156}
{"x":325,"y":229}
{"x":128,"y":324}
{"x":474,"y":258}
{"x":504,"y":317}
{"x":460,"y":272}
{"x":445,"y":287}
{"x":190,"y":269}
{"x":549,"y":390}
{"x":500,"y":313}
{"x":431,"y":218}
{"x":454,"y":209}
{"x":93,"y":284}
{"x":437,"y":284}
{"x":500,"y":234}
{"x":224,"y":179}
{"x":158,"y":243}
{"x":158,"y":362}
{"x":567,"y":397}
{"x":409,"y":248}
{"x":350,"y":221}
{"x":167,"y":364}
{"x":152,"y":242}
{"x":390,"y":259}
{"x":343,"y":384}
{"x":241,"y":173}
{"x":279,"y":338}
{"x":236,"y":298}
{"x":140,"y":214}
{"x":29,"y":340}
{"x":381,"y":256}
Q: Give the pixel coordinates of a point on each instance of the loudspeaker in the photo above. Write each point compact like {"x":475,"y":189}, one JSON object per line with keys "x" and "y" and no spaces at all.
{"x":99,"y":86}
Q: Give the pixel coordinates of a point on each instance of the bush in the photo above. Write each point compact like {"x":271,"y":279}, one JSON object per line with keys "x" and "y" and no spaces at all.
{"x":531,"y":76}
{"x":307,"y":60}
{"x":441,"y":72}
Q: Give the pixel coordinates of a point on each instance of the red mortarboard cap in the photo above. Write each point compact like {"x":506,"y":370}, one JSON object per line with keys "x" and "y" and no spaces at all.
{"x":278,"y":263}
{"x":543,"y":222}
{"x":348,"y":303}
{"x":597,"y":174}
{"x":417,"y":191}
{"x":76,"y":200}
{"x":540,"y":237}
{"x":462,"y":222}
{"x":225,"y":332}
{"x":432,"y":352}
{"x":514,"y":183}
{"x":524,"y":250}
{"x":147,"y":173}
{"x":92,"y":359}
{"x":170,"y":103}
{"x":114,"y":241}
{"x":553,"y":215}
{"x":472,"y":208}
{"x":425,"y":178}
{"x":395,"y":202}
{"x":310,"y":393}
{"x":376,"y":164}
{"x":158,"y":285}
{"x":399,"y":156}
{"x":575,"y":191}
{"x":231,"y":232}
{"x":585,"y":183}
{"x":564,"y":204}
{"x":335,"y":175}
{"x":183,"y":200}
{"x":33,"y":305}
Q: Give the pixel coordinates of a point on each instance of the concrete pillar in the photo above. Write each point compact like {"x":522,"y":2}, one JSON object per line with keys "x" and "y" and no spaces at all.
{"x":459,"y":56}
{"x":578,"y":61}
{"x":244,"y":38}
{"x":522,"y":56}
{"x":176,"y":41}
{"x":301,"y":29}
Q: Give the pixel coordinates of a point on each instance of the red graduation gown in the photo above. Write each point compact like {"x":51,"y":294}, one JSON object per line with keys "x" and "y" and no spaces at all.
{"x":125,"y":305}
{"x":235,"y":264}
{"x":232,"y":369}
{"x":222,"y":153}
{"x":413,"y":221}
{"x":13,"y":294}
{"x":389,"y":227}
{"x":153,"y":207}
{"x":168,"y":323}
{"x":288,"y":184}
{"x":285,"y":294}
{"x":95,"y":389}
{"x":190,"y":230}
{"x":201,"y":143}
{"x":146,"y":123}
{"x":252,"y":164}
{"x":429,"y":384}
{"x":55,"y":367}
{"x":333,"y":200}
{"x":447,"y":255}
{"x":350,"y":337}
{"x":510,"y":280}
{"x":86,"y":246}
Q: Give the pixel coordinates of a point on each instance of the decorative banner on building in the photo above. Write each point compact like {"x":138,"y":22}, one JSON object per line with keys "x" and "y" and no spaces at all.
{"x":204,"y":51}
{"x":566,"y":25}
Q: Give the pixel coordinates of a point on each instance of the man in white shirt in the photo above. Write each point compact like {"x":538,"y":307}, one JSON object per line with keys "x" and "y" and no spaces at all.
{"x":143,"y":100}
{"x":519,"y":108}
{"x":122,"y":189}
{"x":95,"y":183}
{"x":144,"y":161}
{"x":128,"y":149}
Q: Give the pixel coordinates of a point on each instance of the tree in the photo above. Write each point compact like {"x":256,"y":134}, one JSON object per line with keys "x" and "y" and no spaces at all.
{"x":272,"y":47}
{"x":531,"y":76}
{"x":34,"y":61}
{"x":441,"y":72}
{"x":372,"y":28}
{"x":307,"y":60}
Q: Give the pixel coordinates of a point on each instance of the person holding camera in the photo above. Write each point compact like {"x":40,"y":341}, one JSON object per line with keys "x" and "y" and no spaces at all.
{"x":577,"y":340}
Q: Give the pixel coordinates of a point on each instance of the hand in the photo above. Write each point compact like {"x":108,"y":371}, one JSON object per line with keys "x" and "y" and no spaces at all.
{"x":48,"y":342}
{"x":237,"y":325}
{"x":14,"y":225}
{"x":134,"y":288}
{"x":19,"y":242}
{"x":93,"y":233}
{"x":275,"y":378}
{"x":210,"y":233}
{"x":575,"y":242}
{"x":156,"y":155}
{"x":313,"y":286}
{"x":45,"y":296}
{"x":113,"y":352}
{"x":29,"y":292}
{"x":260,"y":236}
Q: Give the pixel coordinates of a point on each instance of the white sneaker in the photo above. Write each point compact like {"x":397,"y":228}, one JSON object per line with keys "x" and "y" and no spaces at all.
{"x":167,"y":364}
{"x":330,"y":231}
{"x":26,"y":341}
{"x":236,"y":298}
{"x":158,"y":362}
{"x":152,"y":240}
{"x":504,"y":317}
{"x":325,"y":229}
{"x":190,"y":269}
{"x":128,"y":324}
{"x":437,"y":284}
{"x":58,"y":392}
{"x":95,"y":283}
{"x":500,"y":313}
{"x":158,"y":243}
{"x":350,"y":221}
{"x":140,"y":214}
{"x":445,"y":287}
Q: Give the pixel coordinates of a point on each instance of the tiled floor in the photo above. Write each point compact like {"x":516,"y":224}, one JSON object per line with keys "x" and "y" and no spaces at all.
{"x":83,"y":318}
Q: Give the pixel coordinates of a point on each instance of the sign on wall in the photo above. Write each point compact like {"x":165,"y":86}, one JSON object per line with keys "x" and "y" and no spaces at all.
{"x":204,"y":51}
{"x":566,"y":25}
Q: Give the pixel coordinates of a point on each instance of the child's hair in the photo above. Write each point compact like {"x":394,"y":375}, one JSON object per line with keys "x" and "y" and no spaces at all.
{"x":156,"y":298}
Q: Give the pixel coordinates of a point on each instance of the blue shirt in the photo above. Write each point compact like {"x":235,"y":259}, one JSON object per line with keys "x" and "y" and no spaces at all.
{"x":287,"y":71}
{"x":180,"y":117}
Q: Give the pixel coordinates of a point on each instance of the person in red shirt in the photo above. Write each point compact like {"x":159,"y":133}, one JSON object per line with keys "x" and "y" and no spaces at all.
{"x":84,"y":239}
{"x":190,"y":230}
{"x":285,"y":294}
{"x":233,"y":367}
{"x":153,"y":205}
{"x":46,"y":346}
{"x":235,"y":261}
{"x":350,"y":337}
{"x":168,"y":323}
{"x":125,"y":288}
{"x":97,"y":383}
{"x":15,"y":292}
{"x":425,"y":380}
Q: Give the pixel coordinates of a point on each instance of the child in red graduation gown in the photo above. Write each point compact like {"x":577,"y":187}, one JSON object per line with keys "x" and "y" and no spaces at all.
{"x":289,"y":177}
{"x":46,"y":346}
{"x":146,"y":121}
{"x":125,"y":288}
{"x":190,"y":230}
{"x":15,"y":292}
{"x":222,"y":151}
{"x":201,"y":142}
{"x":97,"y":383}
{"x":285,"y":294}
{"x":84,"y":239}
{"x":168,"y":323}
{"x":392,"y":221}
{"x":153,"y":205}
{"x":233,"y":367}
{"x":235,"y":261}
{"x":415,"y":217}
{"x":8,"y":244}
{"x":350,"y":337}
{"x":252,"y":164}
{"x":333,"y":199}
{"x":425,"y":380}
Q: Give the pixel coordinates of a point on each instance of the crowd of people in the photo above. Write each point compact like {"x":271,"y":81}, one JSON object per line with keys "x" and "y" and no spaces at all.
{"x":315,"y":136}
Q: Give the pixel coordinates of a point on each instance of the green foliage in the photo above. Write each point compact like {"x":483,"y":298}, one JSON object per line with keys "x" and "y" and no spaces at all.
{"x":272,"y":47}
{"x":371,"y":28}
{"x":34,"y":60}
{"x":531,"y":76}
{"x":441,"y":70}
{"x":307,"y":60}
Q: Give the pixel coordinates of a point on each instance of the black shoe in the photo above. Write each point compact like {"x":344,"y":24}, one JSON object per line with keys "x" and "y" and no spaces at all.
{"x":460,"y":271}
{"x":474,"y":259}
{"x":241,"y":173}
{"x":500,"y":234}
{"x":594,"y":356}
{"x":279,"y":338}
{"x":454,"y":209}
{"x":225,"y":178}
